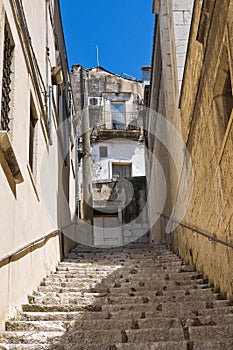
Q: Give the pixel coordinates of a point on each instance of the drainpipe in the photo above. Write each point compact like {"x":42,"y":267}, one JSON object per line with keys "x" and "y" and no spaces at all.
{"x":87,"y":163}
{"x":76,"y":177}
{"x":49,"y":89}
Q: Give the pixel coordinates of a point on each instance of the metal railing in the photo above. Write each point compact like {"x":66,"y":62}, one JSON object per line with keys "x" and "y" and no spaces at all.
{"x":25,"y":249}
{"x":121,"y":121}
{"x":196,"y":230}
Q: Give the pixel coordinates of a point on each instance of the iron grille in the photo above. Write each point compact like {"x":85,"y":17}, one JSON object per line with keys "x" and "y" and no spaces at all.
{"x":6,"y":81}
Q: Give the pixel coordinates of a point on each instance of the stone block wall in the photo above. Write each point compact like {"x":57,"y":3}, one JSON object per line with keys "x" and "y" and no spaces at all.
{"x":202,"y":114}
{"x":210,"y":145}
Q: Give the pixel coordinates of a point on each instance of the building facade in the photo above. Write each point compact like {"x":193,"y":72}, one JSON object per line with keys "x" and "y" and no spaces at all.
{"x":111,"y":110}
{"x":36,"y":147}
{"x":192,"y":89}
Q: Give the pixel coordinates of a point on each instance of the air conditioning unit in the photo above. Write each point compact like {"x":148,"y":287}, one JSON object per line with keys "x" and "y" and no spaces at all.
{"x":95,"y":101}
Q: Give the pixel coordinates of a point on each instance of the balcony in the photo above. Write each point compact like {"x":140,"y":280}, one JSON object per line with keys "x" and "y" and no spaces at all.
{"x":122,"y":125}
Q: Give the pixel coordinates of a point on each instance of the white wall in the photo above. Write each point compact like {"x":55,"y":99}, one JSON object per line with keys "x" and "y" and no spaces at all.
{"x":119,"y":151}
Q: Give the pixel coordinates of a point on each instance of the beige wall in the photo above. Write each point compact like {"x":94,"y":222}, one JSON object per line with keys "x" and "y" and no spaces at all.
{"x":38,"y":205}
{"x":199,"y":118}
{"x":168,"y":60}
{"x":210,"y":145}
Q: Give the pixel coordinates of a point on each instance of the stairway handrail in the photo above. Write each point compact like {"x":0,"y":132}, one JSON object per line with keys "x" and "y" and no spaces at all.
{"x":207,"y":235}
{"x":7,"y":259}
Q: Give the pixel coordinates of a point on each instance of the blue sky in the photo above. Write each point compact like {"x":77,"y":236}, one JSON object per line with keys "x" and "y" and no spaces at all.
{"x":123,"y":31}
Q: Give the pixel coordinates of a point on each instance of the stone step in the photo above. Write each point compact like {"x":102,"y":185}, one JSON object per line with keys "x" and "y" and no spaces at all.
{"x":126,"y":288}
{"x":73,"y":273}
{"x":78,"y":337}
{"x":216,"y":314}
{"x":55,"y":347}
{"x":225,"y":319}
{"x":109,"y":337}
{"x":176,"y":345}
{"x":118,"y":292}
{"x":79,"y":323}
{"x":218,"y":332}
{"x":124,"y":257}
{"x":60,"y":308}
{"x":169,"y":309}
{"x":121,"y":273}
{"x":128,"y":248}
{"x":134,"y":297}
{"x":122,"y":250}
{"x":72,"y":287}
{"x":62,"y":316}
{"x":223,"y":344}
{"x":124,"y":273}
{"x":167,"y":293}
{"x":154,"y":334}
{"x":161,"y":345}
{"x":37,"y":326}
{"x":78,"y":267}
{"x":29,"y":337}
{"x":72,"y":298}
{"x":165,"y":309}
{"x":166,"y":345}
{"x":25,"y":347}
{"x":87,"y":266}
{"x":133,"y":276}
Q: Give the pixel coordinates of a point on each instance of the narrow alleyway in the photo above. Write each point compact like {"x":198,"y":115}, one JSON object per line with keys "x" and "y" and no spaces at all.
{"x":134,"y":297}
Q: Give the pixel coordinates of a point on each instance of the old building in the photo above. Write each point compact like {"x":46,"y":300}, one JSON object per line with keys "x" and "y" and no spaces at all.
{"x":111,"y":109}
{"x":36,"y":147}
{"x":191,"y":97}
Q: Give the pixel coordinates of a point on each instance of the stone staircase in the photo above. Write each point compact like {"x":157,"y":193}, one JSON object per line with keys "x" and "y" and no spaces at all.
{"x":138,"y":297}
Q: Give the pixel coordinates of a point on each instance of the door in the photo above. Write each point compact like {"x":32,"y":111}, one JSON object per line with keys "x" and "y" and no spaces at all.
{"x":107,"y":231}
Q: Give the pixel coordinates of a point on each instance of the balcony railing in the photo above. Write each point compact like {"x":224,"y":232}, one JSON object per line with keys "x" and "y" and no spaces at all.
{"x":120,"y":121}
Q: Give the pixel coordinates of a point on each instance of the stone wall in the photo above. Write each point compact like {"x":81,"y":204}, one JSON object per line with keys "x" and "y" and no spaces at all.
{"x":169,"y":54}
{"x":209,"y":141}
{"x":202,"y":115}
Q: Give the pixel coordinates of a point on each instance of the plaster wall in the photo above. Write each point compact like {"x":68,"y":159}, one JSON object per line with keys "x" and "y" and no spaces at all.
{"x":38,"y":205}
{"x":119,"y":151}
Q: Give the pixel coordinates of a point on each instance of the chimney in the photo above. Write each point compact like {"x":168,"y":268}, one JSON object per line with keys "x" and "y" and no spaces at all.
{"x":146,"y":74}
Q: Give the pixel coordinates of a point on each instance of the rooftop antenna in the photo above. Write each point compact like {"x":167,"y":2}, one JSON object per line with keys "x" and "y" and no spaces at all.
{"x":129,"y":76}
{"x":97,"y":56}
{"x":98,"y":64}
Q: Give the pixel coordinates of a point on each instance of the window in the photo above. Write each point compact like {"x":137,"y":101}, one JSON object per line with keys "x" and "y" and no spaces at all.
{"x":118,"y":115}
{"x":103,"y":151}
{"x":121,"y":170}
{"x":6,"y":79}
{"x":32,"y":140}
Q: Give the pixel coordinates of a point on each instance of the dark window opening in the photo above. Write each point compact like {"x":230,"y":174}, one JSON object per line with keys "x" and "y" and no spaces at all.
{"x":6,"y":79}
{"x":223,"y":91}
{"x":103,"y":151}
{"x":118,"y":116}
{"x":121,"y":171}
{"x":33,"y":121}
